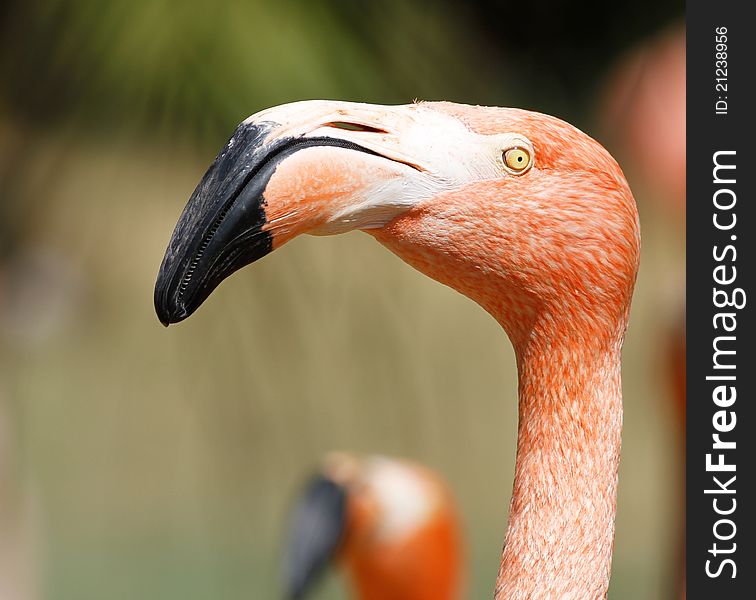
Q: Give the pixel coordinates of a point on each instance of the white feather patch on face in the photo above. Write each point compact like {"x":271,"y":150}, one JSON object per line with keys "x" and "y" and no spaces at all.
{"x":381,"y":201}
{"x":405,"y":499}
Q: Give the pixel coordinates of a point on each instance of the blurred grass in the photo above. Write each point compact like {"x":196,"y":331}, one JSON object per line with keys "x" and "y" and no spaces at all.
{"x":198,"y":68}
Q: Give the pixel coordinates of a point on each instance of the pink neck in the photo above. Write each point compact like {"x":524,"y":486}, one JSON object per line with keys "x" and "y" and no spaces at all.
{"x":561,"y":522}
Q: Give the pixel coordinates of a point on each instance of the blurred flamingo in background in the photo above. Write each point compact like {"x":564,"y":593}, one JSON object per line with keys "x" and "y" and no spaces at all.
{"x":646,"y":93}
{"x":521,"y":212}
{"x":391,"y":523}
{"x":644,"y":108}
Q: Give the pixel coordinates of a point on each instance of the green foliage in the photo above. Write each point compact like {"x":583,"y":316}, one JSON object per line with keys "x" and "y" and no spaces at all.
{"x":201,"y":66}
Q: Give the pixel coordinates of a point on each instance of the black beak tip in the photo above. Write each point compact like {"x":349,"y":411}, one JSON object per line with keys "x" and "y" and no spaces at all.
{"x":168,"y":311}
{"x":167,"y":317}
{"x":164,"y":316}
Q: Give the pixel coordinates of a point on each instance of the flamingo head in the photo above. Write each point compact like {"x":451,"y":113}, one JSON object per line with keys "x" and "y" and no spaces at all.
{"x":390,"y":523}
{"x":515,"y":209}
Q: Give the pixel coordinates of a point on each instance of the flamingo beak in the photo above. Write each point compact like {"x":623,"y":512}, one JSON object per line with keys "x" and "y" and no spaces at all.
{"x":317,"y":167}
{"x":310,"y":167}
{"x":224,"y":209}
{"x":316,"y":532}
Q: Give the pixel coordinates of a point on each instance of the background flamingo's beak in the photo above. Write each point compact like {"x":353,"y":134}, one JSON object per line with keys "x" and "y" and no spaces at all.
{"x":316,"y":532}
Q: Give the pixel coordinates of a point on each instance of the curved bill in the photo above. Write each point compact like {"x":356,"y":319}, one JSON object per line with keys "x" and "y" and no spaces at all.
{"x":316,"y":167}
{"x":222,"y":227}
{"x":316,"y":532}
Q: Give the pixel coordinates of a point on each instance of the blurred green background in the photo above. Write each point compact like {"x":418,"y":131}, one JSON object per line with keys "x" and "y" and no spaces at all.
{"x":139,"y":462}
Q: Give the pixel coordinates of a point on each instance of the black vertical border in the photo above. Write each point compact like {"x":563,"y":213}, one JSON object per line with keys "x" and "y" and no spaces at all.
{"x":708,"y":132}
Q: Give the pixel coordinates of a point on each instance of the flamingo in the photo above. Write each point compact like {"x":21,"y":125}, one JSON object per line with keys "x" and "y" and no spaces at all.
{"x":392,"y":524}
{"x":521,"y":212}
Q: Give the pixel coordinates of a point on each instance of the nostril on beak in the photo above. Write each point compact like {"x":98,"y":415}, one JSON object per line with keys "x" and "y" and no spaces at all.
{"x":362,"y":128}
{"x":355,"y":127}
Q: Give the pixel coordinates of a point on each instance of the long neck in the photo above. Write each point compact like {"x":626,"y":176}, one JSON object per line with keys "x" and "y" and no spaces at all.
{"x":561,"y":522}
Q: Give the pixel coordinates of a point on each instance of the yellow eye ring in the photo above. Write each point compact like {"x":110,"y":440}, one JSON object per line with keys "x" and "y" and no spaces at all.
{"x":517,"y":160}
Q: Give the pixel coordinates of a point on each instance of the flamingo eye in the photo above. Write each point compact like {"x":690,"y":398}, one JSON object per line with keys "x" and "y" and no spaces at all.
{"x":517,"y":160}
